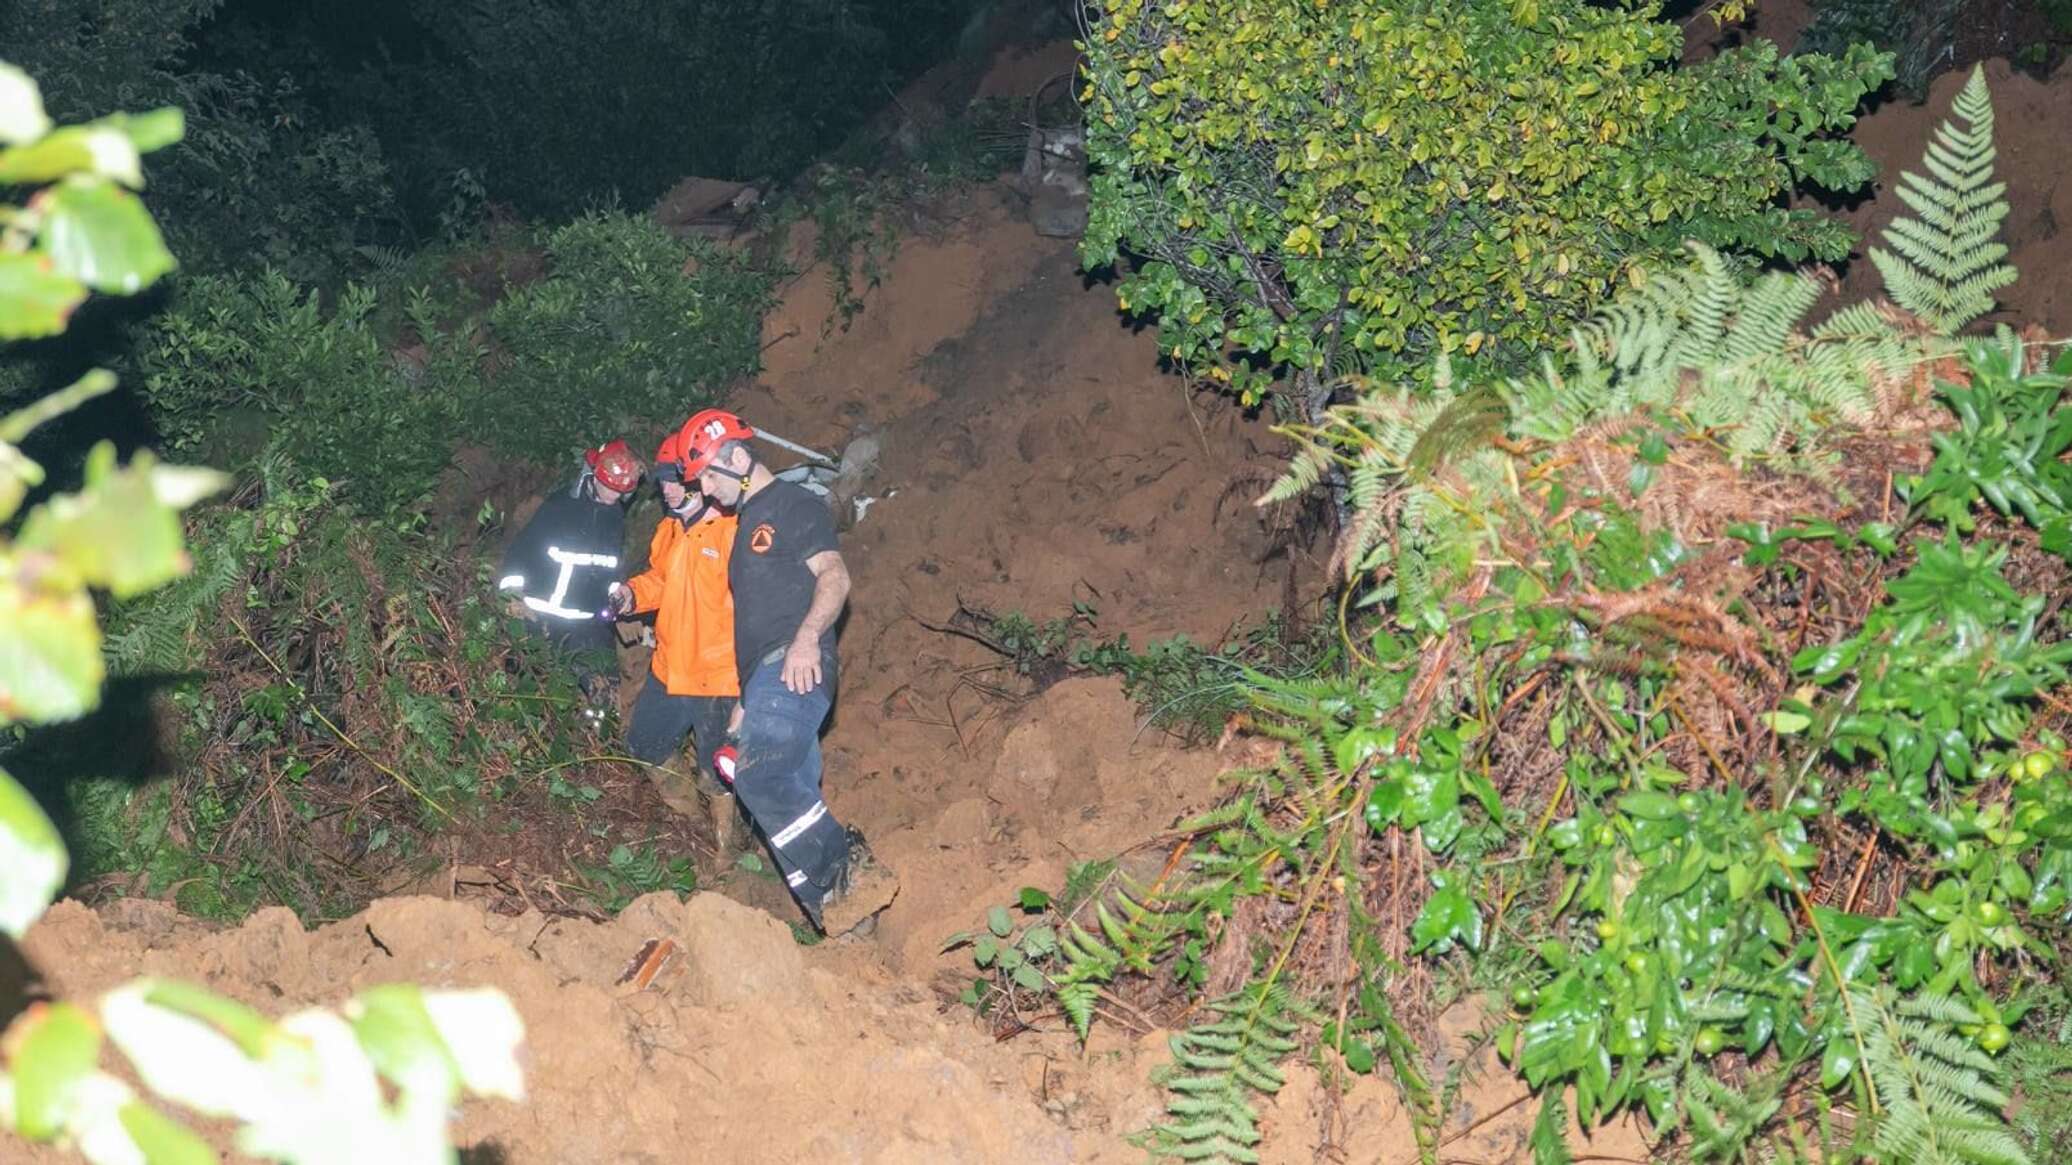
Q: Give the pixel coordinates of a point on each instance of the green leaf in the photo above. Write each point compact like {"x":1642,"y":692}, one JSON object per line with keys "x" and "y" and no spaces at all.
{"x":1785,"y":723}
{"x":998,"y":921}
{"x":118,"y":532}
{"x":150,"y":131}
{"x":21,"y":107}
{"x":101,"y":235}
{"x":1384,"y":805}
{"x":1034,"y":899}
{"x":31,"y":853}
{"x":184,"y":1057}
{"x":102,"y":150}
{"x":1448,"y":917}
{"x":55,"y":1049}
{"x":1028,"y":977}
{"x":394,"y":1029}
{"x":1837,"y":1061}
{"x":1649,"y":805}
{"x":50,"y":658}
{"x":35,"y":299}
{"x":162,"y":1140}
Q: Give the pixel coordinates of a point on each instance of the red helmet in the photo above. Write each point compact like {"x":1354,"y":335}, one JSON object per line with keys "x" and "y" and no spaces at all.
{"x":669,"y":459}
{"x":615,"y":466}
{"x":702,"y":437}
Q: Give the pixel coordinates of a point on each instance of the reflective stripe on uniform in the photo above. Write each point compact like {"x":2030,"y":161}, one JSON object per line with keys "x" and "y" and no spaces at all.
{"x":580,"y":557}
{"x":546,"y":607}
{"x":511,"y":582}
{"x":795,"y":879}
{"x":790,"y":833}
{"x":569,"y":560}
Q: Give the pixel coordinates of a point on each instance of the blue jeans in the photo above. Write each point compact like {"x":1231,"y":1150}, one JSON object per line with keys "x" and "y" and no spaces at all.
{"x":660,"y":721}
{"x":778,"y":780}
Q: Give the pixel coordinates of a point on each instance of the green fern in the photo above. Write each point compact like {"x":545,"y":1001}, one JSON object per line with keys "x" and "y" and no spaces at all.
{"x":2043,"y":1073}
{"x":1218,"y":1067}
{"x":1945,"y":265}
{"x":1942,"y":1098}
{"x":1725,"y":1122}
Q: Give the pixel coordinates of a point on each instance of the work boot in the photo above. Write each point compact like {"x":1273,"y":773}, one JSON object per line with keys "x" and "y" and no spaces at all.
{"x":862,"y":888}
{"x":679,"y":792}
{"x":725,"y":816}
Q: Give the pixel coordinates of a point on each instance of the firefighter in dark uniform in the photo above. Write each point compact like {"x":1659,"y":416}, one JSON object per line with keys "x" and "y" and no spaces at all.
{"x":558,"y":572}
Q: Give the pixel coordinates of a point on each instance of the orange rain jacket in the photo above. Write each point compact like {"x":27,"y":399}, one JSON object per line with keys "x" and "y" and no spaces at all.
{"x":685,"y":584}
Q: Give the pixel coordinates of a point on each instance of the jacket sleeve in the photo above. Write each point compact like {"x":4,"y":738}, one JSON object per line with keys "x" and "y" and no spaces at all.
{"x":647,"y":585}
{"x":521,"y":561}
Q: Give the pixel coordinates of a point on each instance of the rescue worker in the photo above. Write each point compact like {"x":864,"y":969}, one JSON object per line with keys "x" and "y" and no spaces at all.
{"x":558,"y":572}
{"x":692,"y":685}
{"x":789,"y":585}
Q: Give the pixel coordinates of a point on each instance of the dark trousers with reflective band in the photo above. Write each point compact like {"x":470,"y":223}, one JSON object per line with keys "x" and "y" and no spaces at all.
{"x":660,"y":721}
{"x":778,"y":780}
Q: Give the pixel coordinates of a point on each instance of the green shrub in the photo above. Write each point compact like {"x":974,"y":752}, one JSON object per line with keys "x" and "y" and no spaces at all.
{"x":241,"y":364}
{"x":1745,"y":783}
{"x":1312,"y":190}
{"x":1920,"y":35}
{"x":617,"y":339}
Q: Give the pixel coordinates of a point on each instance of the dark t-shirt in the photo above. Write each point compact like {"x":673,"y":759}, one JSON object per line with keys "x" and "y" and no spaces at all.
{"x":782,"y":525}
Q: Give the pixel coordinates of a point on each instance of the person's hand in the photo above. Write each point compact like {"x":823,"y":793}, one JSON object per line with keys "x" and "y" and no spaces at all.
{"x":802,"y":666}
{"x":734,"y":721}
{"x":517,"y":609}
{"x":621,"y":597}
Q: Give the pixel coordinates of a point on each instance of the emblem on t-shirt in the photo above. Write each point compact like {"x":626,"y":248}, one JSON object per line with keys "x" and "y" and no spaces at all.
{"x":762,"y":538}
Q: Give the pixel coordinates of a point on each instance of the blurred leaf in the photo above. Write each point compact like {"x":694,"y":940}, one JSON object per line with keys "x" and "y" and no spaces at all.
{"x":117,"y":533}
{"x":150,"y":131}
{"x":100,"y":234}
{"x":53,"y":1050}
{"x":35,"y":299}
{"x":395,"y":1030}
{"x":163,"y":1140}
{"x":998,"y":922}
{"x":182,"y":1058}
{"x":50,"y":656}
{"x":481,"y":1031}
{"x":31,"y":853}
{"x":101,"y":150}
{"x":21,"y":107}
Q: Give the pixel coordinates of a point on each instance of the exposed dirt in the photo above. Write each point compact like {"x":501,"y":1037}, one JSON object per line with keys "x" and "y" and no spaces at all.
{"x":1034,"y":456}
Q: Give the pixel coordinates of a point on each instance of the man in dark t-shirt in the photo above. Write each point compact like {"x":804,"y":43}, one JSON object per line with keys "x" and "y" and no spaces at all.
{"x":789,"y":584}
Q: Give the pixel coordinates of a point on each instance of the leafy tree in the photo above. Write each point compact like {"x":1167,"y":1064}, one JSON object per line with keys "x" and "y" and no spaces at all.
{"x":310,"y":1088}
{"x":1315,"y":190}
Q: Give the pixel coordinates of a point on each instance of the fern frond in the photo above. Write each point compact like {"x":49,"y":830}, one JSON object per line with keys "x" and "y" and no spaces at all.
{"x":1218,"y":1066}
{"x":1945,"y":264}
{"x":1942,"y":1098}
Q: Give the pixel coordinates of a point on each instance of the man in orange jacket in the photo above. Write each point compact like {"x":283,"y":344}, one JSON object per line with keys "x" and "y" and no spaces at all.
{"x":693,"y":683}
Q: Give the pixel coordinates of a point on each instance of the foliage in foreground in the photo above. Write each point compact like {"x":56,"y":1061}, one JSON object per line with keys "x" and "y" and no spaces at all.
{"x":311,"y":1087}
{"x":1364,"y":186}
{"x":1743,"y":777}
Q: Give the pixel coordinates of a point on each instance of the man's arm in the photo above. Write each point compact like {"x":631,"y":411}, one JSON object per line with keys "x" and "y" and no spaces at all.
{"x":830,"y":591}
